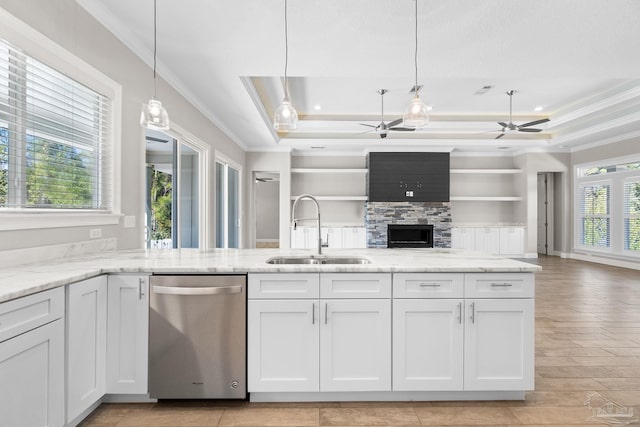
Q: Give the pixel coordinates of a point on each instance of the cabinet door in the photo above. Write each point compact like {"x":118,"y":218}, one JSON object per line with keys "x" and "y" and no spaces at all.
{"x":512,"y":241}
{"x":355,"y":345}
{"x":463,"y":238}
{"x":32,"y":378}
{"x":282,"y":345}
{"x":487,"y":240}
{"x":86,"y":341}
{"x":499,"y":344}
{"x":428,"y":337}
{"x":127,"y":334}
{"x":332,"y":236}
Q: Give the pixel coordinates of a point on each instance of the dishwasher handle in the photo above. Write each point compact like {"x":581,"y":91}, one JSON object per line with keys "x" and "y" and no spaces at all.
{"x":187,"y":290}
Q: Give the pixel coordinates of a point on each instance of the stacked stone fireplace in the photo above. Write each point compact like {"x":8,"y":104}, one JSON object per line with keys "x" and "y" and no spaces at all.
{"x":378,"y":215}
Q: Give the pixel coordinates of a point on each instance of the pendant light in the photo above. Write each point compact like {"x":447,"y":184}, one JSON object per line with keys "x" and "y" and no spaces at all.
{"x":154,"y":115}
{"x":285,"y":117}
{"x":416,"y":115}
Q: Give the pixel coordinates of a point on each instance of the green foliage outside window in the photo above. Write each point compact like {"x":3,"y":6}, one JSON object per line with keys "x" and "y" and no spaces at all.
{"x":595,"y":210}
{"x":161,"y":201}
{"x":632,"y":220}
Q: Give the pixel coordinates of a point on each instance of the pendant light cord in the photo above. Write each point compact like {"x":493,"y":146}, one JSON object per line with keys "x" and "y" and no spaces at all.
{"x":286,"y":51}
{"x":155,"y":46}
{"x":415,"y":57}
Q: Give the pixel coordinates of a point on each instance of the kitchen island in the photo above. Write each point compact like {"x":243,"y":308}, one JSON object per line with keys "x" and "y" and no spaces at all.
{"x":413,"y":324}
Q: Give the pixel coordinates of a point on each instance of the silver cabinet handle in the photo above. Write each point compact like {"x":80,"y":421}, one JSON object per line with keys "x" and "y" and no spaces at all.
{"x":185,"y":290}
{"x":459,"y":312}
{"x":326,"y":310}
{"x":505,"y":285}
{"x":313,"y":313}
{"x":430,"y":285}
{"x":473,"y":312}
{"x":140,"y":292}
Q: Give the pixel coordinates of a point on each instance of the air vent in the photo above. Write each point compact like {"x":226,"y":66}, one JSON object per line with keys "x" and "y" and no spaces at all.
{"x":415,"y":89}
{"x":484,"y":89}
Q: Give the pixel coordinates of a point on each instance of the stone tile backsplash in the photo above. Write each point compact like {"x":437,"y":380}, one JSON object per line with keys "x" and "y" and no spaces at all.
{"x":379,"y":214}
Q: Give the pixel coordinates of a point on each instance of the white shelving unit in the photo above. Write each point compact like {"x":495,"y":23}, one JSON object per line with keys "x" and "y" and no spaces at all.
{"x":336,"y":198}
{"x":329,"y":170}
{"x":486,"y":171}
{"x":486,"y":198}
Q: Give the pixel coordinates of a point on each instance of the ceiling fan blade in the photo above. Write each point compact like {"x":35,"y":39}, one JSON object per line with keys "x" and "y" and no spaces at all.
{"x":529,"y":130}
{"x":368,"y":125}
{"x":499,"y":136}
{"x":154,"y":139}
{"x":503,"y":124}
{"x":393,"y":123}
{"x":533,"y":123}
{"x":401,"y":129}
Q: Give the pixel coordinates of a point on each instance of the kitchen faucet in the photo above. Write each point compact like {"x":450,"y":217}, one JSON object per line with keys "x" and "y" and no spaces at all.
{"x":317,"y":218}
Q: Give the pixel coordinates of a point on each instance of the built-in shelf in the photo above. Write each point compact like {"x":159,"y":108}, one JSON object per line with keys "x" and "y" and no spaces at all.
{"x":486,"y":171}
{"x":486,"y":198}
{"x":327,"y":170}
{"x":337,"y":198}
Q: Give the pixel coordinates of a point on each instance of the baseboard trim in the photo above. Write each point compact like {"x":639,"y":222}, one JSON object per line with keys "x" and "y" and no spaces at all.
{"x":387,"y":396}
{"x":634,"y":265}
{"x":127,"y":398}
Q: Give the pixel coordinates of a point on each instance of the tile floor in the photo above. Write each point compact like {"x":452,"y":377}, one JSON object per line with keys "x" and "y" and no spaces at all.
{"x":587,"y":340}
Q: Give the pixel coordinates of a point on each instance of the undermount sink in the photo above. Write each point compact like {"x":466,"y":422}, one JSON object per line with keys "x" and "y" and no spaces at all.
{"x":317,"y":260}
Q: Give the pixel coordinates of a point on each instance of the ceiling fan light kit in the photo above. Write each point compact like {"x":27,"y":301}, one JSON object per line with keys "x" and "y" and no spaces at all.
{"x":285,"y":117}
{"x":154,"y":115}
{"x":513,"y":128}
{"x":416,"y":115}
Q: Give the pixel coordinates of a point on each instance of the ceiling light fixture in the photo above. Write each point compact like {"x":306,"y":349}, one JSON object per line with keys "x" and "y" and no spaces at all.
{"x":285,"y":117}
{"x":538,"y":108}
{"x":154,"y":115}
{"x":416,"y":115}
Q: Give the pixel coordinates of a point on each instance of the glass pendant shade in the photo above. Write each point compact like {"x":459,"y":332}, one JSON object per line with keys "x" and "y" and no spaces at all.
{"x":154,"y":116}
{"x":416,"y":115}
{"x":285,"y":117}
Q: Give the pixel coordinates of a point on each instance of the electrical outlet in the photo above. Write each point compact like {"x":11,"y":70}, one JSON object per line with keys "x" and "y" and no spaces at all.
{"x":129,"y":221}
{"x":409,"y":193}
{"x":95,"y":233}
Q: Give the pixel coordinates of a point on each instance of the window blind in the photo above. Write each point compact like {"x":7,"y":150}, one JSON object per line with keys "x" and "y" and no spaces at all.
{"x":594,"y":208}
{"x":632,"y":216}
{"x":55,"y":142}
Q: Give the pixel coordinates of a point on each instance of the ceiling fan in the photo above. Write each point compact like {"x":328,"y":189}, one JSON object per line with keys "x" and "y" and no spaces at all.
{"x":383,"y":128}
{"x":518,"y":128}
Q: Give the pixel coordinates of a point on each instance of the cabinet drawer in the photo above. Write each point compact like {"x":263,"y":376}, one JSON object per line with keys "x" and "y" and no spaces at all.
{"x":355,"y":285}
{"x":284,"y":286}
{"x":428,"y":285}
{"x":26,"y":313}
{"x":499,"y":285}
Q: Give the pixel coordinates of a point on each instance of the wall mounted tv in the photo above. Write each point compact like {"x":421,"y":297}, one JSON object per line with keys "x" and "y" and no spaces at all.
{"x":408,"y":177}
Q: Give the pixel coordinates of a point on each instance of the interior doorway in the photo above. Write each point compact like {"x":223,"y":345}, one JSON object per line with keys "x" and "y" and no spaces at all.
{"x":546,"y":215}
{"x":266,"y":190}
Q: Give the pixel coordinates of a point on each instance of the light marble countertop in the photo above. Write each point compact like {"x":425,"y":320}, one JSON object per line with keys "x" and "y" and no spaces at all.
{"x":31,"y":278}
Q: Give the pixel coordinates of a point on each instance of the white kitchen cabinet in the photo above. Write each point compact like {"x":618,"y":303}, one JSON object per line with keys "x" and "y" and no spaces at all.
{"x":354,"y":237}
{"x":32,"y":360}
{"x":86,"y":344}
{"x":463,"y":238}
{"x":499,"y":344}
{"x":428,"y":338}
{"x":511,"y":240}
{"x":304,"y":238}
{"x":282,"y":345}
{"x":355,"y":345}
{"x":340,"y":343}
{"x":127,"y":334}
{"x":487,"y":240}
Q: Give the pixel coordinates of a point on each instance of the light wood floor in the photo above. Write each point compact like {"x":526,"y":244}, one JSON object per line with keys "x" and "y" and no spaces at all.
{"x":587,"y":340}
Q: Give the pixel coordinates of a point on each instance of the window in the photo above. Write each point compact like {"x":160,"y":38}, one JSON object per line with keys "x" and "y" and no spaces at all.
{"x":227,"y":205}
{"x":55,"y":150}
{"x":632,"y":216}
{"x":594,"y":215}
{"x":607,"y":206}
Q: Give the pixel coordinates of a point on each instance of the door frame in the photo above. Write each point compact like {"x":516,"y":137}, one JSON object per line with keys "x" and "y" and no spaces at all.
{"x":221,"y":158}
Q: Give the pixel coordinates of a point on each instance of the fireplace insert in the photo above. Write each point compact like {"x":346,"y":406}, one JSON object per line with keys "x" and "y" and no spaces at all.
{"x":409,"y":236}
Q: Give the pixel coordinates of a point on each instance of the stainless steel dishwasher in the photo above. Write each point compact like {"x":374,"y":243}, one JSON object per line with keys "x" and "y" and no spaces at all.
{"x":197,"y":337}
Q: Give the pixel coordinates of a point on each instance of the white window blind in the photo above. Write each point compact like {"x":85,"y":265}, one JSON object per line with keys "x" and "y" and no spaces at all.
{"x":632,"y":216}
{"x":55,"y":147}
{"x":594,"y":208}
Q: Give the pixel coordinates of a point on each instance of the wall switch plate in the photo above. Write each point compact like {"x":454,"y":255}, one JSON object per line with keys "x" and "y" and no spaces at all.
{"x":95,"y":233}
{"x":409,"y":193}
{"x":129,"y":221}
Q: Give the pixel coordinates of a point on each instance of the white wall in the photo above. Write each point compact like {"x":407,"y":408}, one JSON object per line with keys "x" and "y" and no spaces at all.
{"x":67,"y":24}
